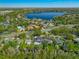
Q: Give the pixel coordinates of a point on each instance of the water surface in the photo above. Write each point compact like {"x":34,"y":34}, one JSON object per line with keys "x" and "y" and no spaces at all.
{"x":44,"y":15}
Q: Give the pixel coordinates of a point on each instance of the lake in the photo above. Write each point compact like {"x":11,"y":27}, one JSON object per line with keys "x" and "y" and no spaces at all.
{"x":44,"y":15}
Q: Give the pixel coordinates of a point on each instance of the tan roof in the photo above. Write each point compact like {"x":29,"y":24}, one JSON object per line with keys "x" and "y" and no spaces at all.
{"x":31,"y":27}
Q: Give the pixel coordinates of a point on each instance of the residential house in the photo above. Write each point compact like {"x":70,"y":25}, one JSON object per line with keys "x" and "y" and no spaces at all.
{"x":21,"y":28}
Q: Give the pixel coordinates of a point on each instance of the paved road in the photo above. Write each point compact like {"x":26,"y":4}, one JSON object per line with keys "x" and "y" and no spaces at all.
{"x":11,"y":35}
{"x":17,"y":33}
{"x":49,"y":29}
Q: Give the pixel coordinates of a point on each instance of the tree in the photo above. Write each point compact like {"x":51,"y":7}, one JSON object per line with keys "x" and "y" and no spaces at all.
{"x":36,"y":32}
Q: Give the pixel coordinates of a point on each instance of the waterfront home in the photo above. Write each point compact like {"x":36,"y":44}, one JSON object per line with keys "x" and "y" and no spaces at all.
{"x":31,"y":27}
{"x":51,"y":24}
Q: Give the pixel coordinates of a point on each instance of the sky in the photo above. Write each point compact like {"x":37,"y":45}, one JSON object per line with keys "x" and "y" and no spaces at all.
{"x":39,"y":3}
